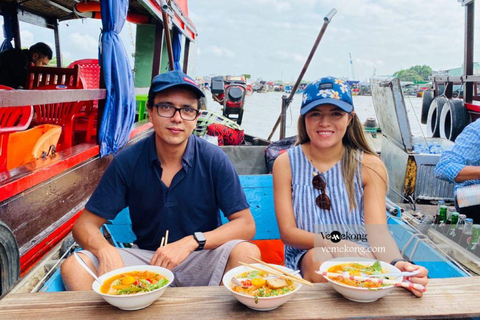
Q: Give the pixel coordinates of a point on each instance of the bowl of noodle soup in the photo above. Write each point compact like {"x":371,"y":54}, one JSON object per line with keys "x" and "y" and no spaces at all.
{"x":262,"y":291}
{"x":359,"y":291}
{"x":135,"y":287}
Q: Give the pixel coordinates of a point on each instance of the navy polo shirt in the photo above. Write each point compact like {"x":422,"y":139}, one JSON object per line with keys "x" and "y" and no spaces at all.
{"x":206,"y":183}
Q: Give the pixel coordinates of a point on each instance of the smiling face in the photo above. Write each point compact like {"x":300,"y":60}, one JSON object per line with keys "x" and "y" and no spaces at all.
{"x":173,"y":131}
{"x":326,"y":125}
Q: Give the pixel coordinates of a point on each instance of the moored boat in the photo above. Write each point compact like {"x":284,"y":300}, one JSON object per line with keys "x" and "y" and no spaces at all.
{"x":41,"y":200}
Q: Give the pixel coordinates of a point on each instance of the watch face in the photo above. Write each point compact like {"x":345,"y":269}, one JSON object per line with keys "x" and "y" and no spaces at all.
{"x":199,"y":237}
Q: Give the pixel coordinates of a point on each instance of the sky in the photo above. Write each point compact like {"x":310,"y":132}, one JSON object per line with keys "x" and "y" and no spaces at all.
{"x":271,"y":39}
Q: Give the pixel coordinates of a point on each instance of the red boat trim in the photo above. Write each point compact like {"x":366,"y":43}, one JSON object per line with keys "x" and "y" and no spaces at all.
{"x":30,"y":258}
{"x":16,"y":186}
{"x":472,"y":107}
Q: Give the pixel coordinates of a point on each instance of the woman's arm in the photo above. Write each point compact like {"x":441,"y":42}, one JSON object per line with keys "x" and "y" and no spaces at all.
{"x":374,"y":176}
{"x":282,"y":193}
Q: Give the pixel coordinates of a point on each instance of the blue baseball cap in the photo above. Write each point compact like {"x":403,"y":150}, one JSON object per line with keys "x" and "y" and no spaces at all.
{"x":327,"y":90}
{"x":173,"y":79}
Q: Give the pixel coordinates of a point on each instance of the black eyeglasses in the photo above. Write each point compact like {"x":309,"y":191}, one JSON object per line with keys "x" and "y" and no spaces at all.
{"x":322,"y":201}
{"x":168,"y":111}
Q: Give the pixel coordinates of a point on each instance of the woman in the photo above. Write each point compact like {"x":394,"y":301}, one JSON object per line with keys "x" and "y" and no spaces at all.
{"x":330,"y":189}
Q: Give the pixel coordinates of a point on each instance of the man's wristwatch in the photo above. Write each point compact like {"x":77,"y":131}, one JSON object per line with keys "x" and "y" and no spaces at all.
{"x":200,"y":238}
{"x":394,"y":261}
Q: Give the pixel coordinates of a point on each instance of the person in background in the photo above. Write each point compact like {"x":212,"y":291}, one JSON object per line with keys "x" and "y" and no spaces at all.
{"x":227,"y":131}
{"x":14,"y":63}
{"x":174,"y":181}
{"x":461,"y":165}
{"x":332,"y":181}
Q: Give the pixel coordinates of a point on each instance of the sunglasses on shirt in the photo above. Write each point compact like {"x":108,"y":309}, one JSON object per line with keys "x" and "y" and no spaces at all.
{"x":322,"y":201}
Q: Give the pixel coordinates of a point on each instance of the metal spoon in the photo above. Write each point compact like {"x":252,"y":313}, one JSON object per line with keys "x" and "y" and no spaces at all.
{"x":84,"y":265}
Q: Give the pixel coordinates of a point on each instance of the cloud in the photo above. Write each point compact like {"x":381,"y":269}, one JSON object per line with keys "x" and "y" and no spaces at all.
{"x":84,"y":41}
{"x":216,"y":51}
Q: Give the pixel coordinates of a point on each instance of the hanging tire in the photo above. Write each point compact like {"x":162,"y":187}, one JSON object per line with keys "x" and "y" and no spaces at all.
{"x":433,"y":118}
{"x":453,"y":118}
{"x":9,"y":259}
{"x":428,"y":96}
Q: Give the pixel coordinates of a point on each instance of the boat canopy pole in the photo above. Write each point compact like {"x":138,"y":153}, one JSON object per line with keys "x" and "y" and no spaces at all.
{"x":166,"y":29}
{"x":326,"y":21}
{"x":468,"y":50}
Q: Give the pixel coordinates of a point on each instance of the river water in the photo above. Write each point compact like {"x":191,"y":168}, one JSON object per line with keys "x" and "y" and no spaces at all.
{"x":262,"y":110}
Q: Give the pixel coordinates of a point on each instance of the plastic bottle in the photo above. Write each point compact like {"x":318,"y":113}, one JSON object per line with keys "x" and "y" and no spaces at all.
{"x":467,"y":233}
{"x":460,"y":227}
{"x":435,"y":148}
{"x":425,"y":223}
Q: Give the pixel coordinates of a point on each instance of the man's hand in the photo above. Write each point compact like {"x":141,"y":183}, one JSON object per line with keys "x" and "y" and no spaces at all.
{"x":174,"y":253}
{"x":109,"y":259}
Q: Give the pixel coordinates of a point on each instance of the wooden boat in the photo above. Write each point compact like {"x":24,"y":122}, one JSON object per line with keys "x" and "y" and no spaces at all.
{"x":41,"y":200}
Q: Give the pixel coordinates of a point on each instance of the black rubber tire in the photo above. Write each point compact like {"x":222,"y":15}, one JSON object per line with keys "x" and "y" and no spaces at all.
{"x":433,"y":119}
{"x":453,"y":119}
{"x":428,"y":96}
{"x":9,"y":259}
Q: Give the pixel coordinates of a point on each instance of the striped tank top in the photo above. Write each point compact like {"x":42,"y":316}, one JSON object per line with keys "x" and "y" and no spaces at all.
{"x":309,"y":216}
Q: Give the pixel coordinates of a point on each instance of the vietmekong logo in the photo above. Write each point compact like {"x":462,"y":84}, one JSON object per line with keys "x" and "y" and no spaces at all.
{"x":336,"y":236}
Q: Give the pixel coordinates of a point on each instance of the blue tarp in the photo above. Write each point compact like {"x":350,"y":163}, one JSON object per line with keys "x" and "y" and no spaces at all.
{"x":177,"y":48}
{"x":119,"y":112}
{"x":7,"y":31}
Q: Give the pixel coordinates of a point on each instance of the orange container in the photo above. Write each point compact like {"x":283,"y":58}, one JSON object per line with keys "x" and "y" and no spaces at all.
{"x":29,"y":145}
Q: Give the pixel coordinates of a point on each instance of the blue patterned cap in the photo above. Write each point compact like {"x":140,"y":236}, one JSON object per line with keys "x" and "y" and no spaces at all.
{"x":327,"y":90}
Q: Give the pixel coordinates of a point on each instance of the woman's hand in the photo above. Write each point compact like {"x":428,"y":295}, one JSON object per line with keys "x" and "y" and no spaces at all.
{"x":420,"y":278}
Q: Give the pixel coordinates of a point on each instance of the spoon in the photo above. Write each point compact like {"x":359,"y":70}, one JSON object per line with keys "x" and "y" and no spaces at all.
{"x":393,"y":274}
{"x":84,"y":265}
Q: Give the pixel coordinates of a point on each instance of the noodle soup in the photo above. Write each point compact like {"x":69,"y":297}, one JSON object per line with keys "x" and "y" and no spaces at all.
{"x":261,"y":284}
{"x":361,"y":270}
{"x":133,"y":282}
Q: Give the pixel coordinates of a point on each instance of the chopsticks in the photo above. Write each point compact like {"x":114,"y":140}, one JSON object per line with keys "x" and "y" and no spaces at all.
{"x":407,"y":285}
{"x":278,"y":274}
{"x":276,"y":268}
{"x":164,"y":239}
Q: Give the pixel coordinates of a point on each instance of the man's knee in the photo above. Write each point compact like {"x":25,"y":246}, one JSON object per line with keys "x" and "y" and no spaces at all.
{"x":245,"y":249}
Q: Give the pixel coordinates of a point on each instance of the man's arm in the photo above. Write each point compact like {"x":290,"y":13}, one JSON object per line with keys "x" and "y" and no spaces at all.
{"x":86,"y":232}
{"x":453,"y":165}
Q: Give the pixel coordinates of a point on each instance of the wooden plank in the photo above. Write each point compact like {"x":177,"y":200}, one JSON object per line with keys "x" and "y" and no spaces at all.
{"x":446,"y":298}
{"x":15,"y":98}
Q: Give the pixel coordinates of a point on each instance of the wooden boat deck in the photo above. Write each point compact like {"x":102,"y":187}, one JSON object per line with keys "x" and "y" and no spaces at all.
{"x":446,"y":298}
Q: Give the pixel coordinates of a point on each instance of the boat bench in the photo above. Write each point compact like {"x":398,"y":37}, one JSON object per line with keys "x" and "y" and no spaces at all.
{"x":259,"y":192}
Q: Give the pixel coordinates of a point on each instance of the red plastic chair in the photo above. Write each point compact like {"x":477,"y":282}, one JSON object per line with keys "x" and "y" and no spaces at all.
{"x":66,"y":115}
{"x":12,"y":119}
{"x":89,"y":72}
{"x":42,"y":76}
{"x":90,"y":78}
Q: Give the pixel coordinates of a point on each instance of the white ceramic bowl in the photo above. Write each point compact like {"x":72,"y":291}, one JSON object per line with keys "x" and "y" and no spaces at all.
{"x":355,"y":293}
{"x":138,"y":300}
{"x":263,"y":303}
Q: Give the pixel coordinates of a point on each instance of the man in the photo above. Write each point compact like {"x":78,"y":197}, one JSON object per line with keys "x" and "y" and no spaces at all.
{"x":461,"y":164}
{"x":171,"y":181}
{"x":14,"y":63}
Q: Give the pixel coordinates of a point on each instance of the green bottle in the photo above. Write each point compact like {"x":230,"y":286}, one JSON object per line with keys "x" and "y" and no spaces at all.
{"x":474,"y":239}
{"x":453,"y":226}
{"x":443,"y":219}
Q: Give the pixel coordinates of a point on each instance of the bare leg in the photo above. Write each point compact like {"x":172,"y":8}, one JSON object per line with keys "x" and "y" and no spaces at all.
{"x":240,"y":253}
{"x":74,"y":276}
